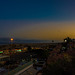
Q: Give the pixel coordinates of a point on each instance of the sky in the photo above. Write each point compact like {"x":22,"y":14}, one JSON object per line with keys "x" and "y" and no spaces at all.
{"x":37,"y":19}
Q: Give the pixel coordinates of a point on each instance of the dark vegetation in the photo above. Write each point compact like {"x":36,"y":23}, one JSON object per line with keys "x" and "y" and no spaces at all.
{"x":61,"y":62}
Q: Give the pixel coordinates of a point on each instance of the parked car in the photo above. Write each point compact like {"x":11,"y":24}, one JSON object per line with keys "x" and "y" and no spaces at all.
{"x":39,"y":65}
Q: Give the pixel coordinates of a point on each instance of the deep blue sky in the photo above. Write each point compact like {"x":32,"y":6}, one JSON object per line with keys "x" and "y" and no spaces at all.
{"x":37,"y":9}
{"x":17,"y":13}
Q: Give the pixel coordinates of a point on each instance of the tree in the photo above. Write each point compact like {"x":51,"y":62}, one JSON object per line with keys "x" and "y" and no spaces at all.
{"x":68,"y":39}
{"x":52,"y":41}
{"x":29,"y":48}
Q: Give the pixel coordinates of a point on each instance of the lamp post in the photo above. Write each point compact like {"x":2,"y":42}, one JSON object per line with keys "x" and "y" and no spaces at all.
{"x":11,"y":43}
{"x":9,"y":55}
{"x":11,"y":39}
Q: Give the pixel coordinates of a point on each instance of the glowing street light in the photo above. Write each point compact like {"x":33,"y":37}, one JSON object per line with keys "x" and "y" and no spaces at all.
{"x":65,"y":40}
{"x":11,"y":39}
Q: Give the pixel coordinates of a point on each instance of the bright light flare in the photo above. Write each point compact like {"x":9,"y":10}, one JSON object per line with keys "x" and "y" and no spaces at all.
{"x":65,"y":40}
{"x":11,"y":39}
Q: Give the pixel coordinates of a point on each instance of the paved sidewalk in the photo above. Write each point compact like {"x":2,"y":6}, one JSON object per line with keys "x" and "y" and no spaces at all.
{"x":30,"y":71}
{"x":20,"y":72}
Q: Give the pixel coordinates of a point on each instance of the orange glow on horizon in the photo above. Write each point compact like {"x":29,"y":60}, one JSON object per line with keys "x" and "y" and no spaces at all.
{"x":46,"y":31}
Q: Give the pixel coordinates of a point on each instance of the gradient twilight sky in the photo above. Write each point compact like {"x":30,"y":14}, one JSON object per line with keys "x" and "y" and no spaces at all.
{"x":37,"y":19}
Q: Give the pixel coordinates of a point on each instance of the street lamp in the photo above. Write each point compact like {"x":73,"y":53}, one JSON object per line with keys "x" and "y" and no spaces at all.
{"x":65,"y":40}
{"x":11,"y":39}
{"x":11,"y":42}
{"x":9,"y":54}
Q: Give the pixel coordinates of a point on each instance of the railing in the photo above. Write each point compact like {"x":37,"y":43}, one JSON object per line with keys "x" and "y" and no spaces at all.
{"x":18,"y":68}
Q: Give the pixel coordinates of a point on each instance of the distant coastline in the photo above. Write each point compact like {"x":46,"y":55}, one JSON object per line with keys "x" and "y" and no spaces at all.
{"x":4,"y":42}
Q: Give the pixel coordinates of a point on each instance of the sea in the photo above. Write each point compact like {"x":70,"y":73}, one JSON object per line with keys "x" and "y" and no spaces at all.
{"x":4,"y":41}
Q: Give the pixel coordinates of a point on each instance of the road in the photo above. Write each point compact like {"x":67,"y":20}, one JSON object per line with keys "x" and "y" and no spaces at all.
{"x":30,"y":71}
